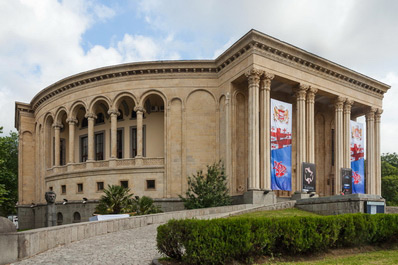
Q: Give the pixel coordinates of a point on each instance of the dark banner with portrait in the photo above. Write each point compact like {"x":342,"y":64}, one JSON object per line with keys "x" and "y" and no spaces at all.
{"x":346,"y":180}
{"x":309,"y":176}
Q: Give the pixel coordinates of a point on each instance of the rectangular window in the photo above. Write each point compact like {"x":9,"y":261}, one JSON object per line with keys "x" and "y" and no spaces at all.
{"x":134,"y":141}
{"x":124,"y":183}
{"x":150,"y":184}
{"x":53,"y":151}
{"x":63,"y":189}
{"x":83,"y":148}
{"x":79,"y":187}
{"x":119,"y":144}
{"x":62,"y":152}
{"x":100,"y":186}
{"x":99,"y":146}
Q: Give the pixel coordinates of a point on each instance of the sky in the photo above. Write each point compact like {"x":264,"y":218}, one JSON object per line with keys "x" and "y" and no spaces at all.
{"x":43,"y":41}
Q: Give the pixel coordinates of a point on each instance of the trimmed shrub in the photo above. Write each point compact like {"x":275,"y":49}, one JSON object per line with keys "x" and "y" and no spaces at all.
{"x":222,"y":241}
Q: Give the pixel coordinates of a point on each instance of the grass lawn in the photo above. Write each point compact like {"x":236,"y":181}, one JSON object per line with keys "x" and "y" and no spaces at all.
{"x":369,"y":255}
{"x":277,"y":213}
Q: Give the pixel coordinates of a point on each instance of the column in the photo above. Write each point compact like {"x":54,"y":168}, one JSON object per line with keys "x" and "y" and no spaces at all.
{"x":72,"y":122}
{"x":265,"y":129}
{"x":57,"y":130}
{"x":338,"y":136}
{"x":301,"y":143}
{"x":377,"y":151}
{"x":140,"y":111}
{"x":113,"y":113}
{"x":370,"y":152}
{"x":228,"y":162}
{"x":310,"y":113}
{"x":347,"y":136}
{"x":90,"y":118}
{"x":254,"y":129}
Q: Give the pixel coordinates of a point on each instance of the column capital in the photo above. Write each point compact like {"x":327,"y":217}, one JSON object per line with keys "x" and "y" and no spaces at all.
{"x":139,"y":109}
{"x":347,"y":106}
{"x":113,"y":112}
{"x":266,"y":79}
{"x":71,"y":121}
{"x":301,"y":91}
{"x":90,"y":115}
{"x":57,"y":126}
{"x":254,"y":75}
{"x":311,"y":91}
{"x":339,"y":103}
{"x":370,"y":114}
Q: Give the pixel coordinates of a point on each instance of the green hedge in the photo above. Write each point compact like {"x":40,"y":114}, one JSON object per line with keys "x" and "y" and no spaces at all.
{"x":221,"y":241}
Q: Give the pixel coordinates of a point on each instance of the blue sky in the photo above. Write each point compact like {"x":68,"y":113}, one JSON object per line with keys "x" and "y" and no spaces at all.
{"x":44,"y":41}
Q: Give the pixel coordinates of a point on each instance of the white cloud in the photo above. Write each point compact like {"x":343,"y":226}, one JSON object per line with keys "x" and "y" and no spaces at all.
{"x":41,"y":42}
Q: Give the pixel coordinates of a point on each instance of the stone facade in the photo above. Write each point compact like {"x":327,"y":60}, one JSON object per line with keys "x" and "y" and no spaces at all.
{"x":149,"y":125}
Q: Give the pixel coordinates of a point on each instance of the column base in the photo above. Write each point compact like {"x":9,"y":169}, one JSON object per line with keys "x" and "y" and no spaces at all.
{"x":264,"y":197}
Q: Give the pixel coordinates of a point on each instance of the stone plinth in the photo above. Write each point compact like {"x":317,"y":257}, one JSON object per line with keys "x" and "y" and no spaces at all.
{"x":264,"y":197}
{"x":338,"y":204}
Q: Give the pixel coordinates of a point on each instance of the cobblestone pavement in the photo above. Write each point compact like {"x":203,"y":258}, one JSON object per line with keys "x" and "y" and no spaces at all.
{"x":136,"y":246}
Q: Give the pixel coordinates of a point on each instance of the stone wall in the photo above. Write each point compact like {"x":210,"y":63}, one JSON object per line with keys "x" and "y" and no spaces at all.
{"x":338,"y":204}
{"x":38,"y":240}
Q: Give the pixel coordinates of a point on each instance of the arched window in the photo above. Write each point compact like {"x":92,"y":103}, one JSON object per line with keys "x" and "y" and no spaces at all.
{"x":100,"y":118}
{"x":76,"y":217}
{"x":60,"y":218}
{"x":84,"y":123}
{"x":120,"y":117}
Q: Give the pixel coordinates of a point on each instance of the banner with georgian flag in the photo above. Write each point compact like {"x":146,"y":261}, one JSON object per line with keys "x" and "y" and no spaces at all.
{"x":357,"y":157}
{"x":281,"y":145}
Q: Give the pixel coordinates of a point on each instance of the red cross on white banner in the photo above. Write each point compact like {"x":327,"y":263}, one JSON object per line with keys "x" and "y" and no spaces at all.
{"x":357,"y":152}
{"x":280,"y":139}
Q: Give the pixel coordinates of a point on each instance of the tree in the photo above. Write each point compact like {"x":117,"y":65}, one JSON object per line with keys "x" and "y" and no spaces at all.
{"x":389,"y":178}
{"x":207,"y":190}
{"x":115,"y":200}
{"x":8,"y":173}
{"x":144,"y":205}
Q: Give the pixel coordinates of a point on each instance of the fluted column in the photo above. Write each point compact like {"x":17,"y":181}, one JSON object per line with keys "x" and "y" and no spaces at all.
{"x":310,"y":113}
{"x":90,"y":118}
{"x":57,"y":131}
{"x":347,"y":139}
{"x":72,"y":122}
{"x":338,"y":140}
{"x":140,"y":112}
{"x":228,"y":163}
{"x":377,"y":151}
{"x":254,"y":130}
{"x":265,"y":129}
{"x":301,"y":133}
{"x":370,"y":152}
{"x":113,"y":113}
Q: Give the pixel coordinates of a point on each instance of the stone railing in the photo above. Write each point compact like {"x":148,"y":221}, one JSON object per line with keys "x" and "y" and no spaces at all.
{"x":153,"y":161}
{"x":103,"y":163}
{"x":125,"y":162}
{"x":118,"y":163}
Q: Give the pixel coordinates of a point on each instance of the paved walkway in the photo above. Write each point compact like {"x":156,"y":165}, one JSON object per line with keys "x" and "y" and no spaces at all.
{"x":136,"y":246}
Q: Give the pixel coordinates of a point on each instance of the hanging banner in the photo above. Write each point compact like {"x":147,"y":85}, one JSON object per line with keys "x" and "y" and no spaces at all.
{"x":309,"y":176}
{"x":357,"y":157}
{"x":281,"y":145}
{"x":346,"y":180}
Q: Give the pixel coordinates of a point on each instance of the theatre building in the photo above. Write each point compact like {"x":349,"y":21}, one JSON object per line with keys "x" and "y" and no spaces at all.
{"x":149,"y":125}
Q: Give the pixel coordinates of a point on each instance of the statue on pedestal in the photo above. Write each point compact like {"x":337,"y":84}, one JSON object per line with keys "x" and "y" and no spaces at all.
{"x":51,"y":215}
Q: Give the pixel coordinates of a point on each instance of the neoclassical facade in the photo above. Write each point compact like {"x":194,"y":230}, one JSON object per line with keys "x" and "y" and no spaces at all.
{"x":149,"y":125}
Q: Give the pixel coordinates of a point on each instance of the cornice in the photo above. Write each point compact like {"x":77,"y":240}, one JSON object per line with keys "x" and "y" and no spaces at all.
{"x":253,"y":42}
{"x":288,"y":54}
{"x":123,"y":70}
